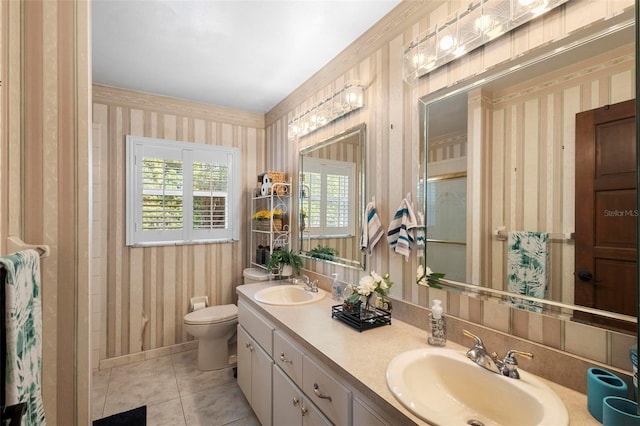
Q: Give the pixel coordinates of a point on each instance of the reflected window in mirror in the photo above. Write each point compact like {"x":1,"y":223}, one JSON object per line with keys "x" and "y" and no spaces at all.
{"x":327,"y":198}
{"x":331,"y":198}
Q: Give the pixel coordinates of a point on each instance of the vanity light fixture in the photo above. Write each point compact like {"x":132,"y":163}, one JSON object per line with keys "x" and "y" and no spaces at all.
{"x":481,"y":22}
{"x":342,"y":102}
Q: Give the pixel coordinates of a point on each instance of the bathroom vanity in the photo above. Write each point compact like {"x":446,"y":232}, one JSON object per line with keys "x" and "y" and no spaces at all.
{"x":297,"y":365}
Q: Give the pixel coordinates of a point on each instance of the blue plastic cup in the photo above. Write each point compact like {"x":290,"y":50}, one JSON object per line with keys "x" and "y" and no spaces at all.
{"x":618,"y":411}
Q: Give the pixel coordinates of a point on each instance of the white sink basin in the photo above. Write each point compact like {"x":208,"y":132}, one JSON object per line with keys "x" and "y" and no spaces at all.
{"x":287,"y":295}
{"x":444,"y":387}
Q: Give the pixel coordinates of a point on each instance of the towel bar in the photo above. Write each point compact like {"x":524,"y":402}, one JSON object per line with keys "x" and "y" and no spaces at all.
{"x":565,"y":237}
{"x":15,"y":244}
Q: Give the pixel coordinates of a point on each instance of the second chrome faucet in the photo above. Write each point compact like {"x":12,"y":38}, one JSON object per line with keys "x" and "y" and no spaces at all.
{"x":311,"y":286}
{"x":508,"y":366}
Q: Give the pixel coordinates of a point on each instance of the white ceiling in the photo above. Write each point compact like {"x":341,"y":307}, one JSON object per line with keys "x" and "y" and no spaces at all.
{"x":240,"y":54}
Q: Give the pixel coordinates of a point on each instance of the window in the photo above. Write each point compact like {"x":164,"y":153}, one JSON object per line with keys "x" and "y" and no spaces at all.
{"x":180,"y":192}
{"x":329,"y":194}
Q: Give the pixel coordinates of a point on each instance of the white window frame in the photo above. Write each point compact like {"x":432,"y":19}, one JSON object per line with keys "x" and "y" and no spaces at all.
{"x":138,"y":148}
{"x":326,"y":167}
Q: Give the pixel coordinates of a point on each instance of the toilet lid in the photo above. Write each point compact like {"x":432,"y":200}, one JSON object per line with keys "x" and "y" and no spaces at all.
{"x":212,"y":314}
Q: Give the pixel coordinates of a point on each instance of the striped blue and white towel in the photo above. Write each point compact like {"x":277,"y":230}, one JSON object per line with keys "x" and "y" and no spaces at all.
{"x":401,"y":234}
{"x":372,"y":229}
{"x":23,"y":321}
{"x":420,"y":235}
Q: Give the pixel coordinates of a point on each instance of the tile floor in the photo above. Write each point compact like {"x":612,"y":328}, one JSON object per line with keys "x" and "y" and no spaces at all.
{"x":175,"y":391}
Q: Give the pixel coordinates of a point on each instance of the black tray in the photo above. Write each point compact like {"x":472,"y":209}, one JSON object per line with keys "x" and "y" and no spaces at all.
{"x":361,"y":320}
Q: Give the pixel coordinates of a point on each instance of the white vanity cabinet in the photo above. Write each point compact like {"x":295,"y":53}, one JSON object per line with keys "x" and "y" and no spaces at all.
{"x":287,"y":385}
{"x":320,"y":388}
{"x":255,"y":343}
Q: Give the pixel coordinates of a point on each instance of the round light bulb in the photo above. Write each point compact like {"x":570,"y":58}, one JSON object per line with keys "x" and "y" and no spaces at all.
{"x":447,"y":42}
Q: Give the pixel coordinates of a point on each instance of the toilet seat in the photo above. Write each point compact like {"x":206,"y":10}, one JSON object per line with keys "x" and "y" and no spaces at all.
{"x":212,"y":315}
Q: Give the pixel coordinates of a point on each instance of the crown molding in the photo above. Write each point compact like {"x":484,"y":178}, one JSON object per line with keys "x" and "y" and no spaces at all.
{"x":121,"y":97}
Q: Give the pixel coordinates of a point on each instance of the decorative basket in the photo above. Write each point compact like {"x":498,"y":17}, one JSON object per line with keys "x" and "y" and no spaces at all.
{"x":275,"y":177}
{"x":264,"y":224}
{"x":359,"y":318}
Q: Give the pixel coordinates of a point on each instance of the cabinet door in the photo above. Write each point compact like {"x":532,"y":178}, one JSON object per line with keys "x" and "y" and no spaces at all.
{"x":261,"y":379}
{"x":365,"y":416}
{"x":287,"y":400}
{"x":244,"y":362}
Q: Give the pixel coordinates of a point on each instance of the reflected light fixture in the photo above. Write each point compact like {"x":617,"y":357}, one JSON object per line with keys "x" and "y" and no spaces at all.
{"x":481,"y":22}
{"x":342,"y":102}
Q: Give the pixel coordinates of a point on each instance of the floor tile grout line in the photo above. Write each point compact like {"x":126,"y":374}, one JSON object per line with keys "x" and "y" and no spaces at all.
{"x":175,"y":375}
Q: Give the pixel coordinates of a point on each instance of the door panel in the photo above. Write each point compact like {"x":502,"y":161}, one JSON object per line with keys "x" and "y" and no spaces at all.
{"x":605,"y":262}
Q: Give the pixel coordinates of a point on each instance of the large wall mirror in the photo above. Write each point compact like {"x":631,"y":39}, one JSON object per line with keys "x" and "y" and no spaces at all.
{"x":331,"y":198}
{"x":530,"y":178}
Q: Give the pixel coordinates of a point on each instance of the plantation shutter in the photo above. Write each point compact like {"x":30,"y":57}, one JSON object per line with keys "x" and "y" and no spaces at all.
{"x":329,"y":186}
{"x":180,"y":192}
{"x":211,"y":188}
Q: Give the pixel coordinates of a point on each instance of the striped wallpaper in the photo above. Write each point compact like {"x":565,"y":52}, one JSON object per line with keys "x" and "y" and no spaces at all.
{"x":44,"y":194}
{"x":145,"y":292}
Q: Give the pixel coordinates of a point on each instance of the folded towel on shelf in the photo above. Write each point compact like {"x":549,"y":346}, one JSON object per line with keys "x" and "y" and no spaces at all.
{"x":528,"y":267}
{"x":372,"y":229}
{"x":401,"y":234}
{"x":23,"y":323}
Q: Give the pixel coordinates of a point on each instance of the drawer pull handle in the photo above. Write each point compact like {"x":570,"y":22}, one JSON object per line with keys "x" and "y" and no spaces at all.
{"x":304,"y":411}
{"x":319,"y":394}
{"x":284,"y":359}
{"x":249,"y":346}
{"x":296,"y":401}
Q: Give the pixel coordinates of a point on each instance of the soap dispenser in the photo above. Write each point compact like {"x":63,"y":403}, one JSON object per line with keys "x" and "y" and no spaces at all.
{"x":336,"y":290}
{"x":438,"y":332}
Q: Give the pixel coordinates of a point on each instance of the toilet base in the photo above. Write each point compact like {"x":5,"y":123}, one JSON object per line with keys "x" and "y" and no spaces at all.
{"x":211,"y":357}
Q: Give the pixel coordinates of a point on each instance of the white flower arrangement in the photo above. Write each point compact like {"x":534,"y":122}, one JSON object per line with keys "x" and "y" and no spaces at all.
{"x":369,"y":284}
{"x":428,"y":278}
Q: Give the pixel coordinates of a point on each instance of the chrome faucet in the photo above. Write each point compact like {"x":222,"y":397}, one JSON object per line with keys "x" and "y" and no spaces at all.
{"x":508,"y":366}
{"x":311,"y":286}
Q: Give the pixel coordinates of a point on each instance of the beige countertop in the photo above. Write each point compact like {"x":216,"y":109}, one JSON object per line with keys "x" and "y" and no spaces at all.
{"x":361,"y":358}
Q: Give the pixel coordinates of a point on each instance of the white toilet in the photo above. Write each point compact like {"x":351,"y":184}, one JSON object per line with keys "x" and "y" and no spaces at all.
{"x":214,"y":327}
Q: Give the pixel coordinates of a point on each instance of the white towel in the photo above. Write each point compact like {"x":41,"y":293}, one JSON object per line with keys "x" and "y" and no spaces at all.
{"x":402,"y":229}
{"x":372,"y":229}
{"x":23,"y":322}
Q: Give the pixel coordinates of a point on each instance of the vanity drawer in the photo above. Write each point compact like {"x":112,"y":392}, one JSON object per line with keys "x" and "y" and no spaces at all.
{"x":288,"y":357}
{"x":331,"y":397}
{"x":259,"y":328}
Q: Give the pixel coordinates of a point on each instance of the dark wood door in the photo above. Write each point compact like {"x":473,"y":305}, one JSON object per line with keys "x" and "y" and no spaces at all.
{"x":605,"y":263}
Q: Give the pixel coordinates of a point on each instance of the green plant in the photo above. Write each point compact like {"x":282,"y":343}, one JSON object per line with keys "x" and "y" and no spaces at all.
{"x":321,"y":252}
{"x":285,"y":257}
